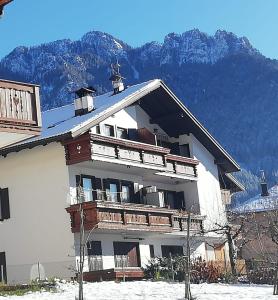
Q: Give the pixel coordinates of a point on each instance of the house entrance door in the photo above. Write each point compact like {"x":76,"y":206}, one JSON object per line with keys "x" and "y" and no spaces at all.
{"x":219,"y":251}
{"x":3,"y":268}
{"x":126,"y":254}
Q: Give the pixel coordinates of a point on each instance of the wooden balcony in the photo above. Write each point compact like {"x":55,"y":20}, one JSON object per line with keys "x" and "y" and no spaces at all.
{"x":180,"y":223}
{"x":129,"y":216}
{"x":20,"y":115}
{"x":131,"y":153}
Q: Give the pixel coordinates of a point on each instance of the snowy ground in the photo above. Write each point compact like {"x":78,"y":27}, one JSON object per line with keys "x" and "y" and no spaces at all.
{"x":153,"y":291}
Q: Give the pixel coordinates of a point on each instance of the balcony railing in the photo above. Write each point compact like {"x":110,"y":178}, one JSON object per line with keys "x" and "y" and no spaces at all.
{"x":109,"y":149}
{"x":95,"y":262}
{"x":130,"y":216}
{"x":19,"y":104}
{"x":121,"y":261}
{"x":180,"y":223}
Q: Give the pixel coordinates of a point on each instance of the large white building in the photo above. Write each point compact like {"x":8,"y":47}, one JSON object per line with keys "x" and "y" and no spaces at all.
{"x":138,"y":160}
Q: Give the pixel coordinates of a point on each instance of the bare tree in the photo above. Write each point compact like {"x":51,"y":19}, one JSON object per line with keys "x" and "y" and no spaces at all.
{"x":231,"y":232}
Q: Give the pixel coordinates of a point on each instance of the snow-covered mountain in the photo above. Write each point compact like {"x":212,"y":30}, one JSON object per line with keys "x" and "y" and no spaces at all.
{"x":63,"y":65}
{"x":223,"y":79}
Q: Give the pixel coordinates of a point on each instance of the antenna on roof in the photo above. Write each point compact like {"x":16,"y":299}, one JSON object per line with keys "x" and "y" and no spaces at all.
{"x":116,"y":78}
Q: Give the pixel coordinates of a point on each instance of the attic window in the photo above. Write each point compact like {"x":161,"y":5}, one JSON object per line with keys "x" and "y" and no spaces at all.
{"x":122,"y":133}
{"x":98,"y":129}
{"x":109,"y":130}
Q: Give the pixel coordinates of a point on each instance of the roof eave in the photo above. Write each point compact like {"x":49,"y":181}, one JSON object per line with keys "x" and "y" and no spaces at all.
{"x":204,"y":130}
{"x":32,"y":144}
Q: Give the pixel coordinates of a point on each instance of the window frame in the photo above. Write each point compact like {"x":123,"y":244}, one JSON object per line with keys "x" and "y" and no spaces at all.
{"x":125,"y":130}
{"x":111,"y":128}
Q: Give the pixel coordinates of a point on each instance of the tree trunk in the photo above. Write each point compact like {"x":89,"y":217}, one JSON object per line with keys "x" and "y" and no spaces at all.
{"x":275,"y":291}
{"x":231,"y":253}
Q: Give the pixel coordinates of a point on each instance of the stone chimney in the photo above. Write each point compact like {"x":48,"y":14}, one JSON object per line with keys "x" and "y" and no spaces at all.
{"x":84,"y":101}
{"x":264,"y":189}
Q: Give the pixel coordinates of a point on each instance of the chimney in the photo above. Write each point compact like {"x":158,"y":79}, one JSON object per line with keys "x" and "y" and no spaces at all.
{"x":84,"y":101}
{"x":116,"y":78}
{"x":264,"y":188}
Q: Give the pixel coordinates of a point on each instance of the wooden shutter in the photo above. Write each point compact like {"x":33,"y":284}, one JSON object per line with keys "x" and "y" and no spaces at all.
{"x":130,"y":185}
{"x":145,"y":136}
{"x":3,"y":268}
{"x":119,"y":189}
{"x":78,"y":184}
{"x":180,"y":202}
{"x":5,"y":204}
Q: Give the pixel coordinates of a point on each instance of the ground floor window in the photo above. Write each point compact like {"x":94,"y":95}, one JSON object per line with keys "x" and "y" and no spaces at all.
{"x":171,"y":250}
{"x":3,"y":268}
{"x":151,"y":251}
{"x":94,"y":250}
{"x":126,"y":254}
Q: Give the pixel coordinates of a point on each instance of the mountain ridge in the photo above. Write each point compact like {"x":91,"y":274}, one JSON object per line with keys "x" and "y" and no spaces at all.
{"x":228,"y":84}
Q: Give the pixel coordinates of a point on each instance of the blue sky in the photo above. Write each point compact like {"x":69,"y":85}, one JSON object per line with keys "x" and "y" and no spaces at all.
{"x":31,"y":22}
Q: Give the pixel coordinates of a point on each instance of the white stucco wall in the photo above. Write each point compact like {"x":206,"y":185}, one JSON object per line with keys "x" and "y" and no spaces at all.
{"x":209,"y":193}
{"x":198,"y":248}
{"x":39,"y":227}
{"x":132,"y":117}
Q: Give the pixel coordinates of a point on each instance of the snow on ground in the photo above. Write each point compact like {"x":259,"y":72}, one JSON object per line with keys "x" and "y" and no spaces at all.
{"x":145,"y":290}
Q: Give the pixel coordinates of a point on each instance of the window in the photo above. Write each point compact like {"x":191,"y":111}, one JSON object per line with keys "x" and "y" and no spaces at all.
{"x":94,"y":248}
{"x":4,"y":204}
{"x":118,"y":190}
{"x":91,"y":187}
{"x":112,"y":192}
{"x":122,"y":133}
{"x":184,"y":150}
{"x":174,"y":200}
{"x":98,"y":129}
{"x":151,"y":251}
{"x":94,"y":251}
{"x":125,"y":193}
{"x":171,"y":250}
{"x":109,"y":130}
{"x":87,"y":184}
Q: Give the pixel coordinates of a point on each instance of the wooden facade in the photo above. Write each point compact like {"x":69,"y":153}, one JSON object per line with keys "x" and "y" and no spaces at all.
{"x":129,"y":216}
{"x":98,"y":147}
{"x":114,"y":274}
{"x":19,"y":108}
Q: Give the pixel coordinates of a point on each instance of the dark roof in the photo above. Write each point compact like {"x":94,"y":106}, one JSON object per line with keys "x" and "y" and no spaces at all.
{"x":85,"y":91}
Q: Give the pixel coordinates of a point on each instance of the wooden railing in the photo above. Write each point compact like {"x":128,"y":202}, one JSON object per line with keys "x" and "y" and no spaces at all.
{"x":19,"y":104}
{"x":129,"y":216}
{"x":128,"y":152}
{"x":180,"y":223}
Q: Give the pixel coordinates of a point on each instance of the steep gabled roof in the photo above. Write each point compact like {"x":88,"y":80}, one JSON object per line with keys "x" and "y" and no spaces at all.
{"x":61,"y":123}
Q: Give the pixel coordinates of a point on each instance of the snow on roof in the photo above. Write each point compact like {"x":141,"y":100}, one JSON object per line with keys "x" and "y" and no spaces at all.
{"x":62,"y":120}
{"x":260,"y":203}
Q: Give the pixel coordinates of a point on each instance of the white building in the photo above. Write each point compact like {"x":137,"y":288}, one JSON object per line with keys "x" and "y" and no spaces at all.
{"x":139,"y":160}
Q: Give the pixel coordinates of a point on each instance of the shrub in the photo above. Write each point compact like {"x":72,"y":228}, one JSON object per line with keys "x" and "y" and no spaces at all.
{"x":173,"y":269}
